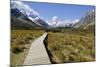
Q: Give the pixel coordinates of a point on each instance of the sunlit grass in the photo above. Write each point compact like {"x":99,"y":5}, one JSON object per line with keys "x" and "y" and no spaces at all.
{"x":20,"y":43}
{"x":71,"y":47}
{"x":65,"y":46}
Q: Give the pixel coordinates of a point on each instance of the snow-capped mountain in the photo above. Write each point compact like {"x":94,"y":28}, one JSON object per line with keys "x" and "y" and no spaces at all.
{"x":56,"y":22}
{"x":23,"y":11}
{"x":86,"y":21}
{"x":23,"y":15}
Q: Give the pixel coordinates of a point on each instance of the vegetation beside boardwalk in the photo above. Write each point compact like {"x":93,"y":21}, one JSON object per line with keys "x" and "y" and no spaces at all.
{"x":20,"y":43}
{"x":64,"y":45}
{"x":70,"y":45}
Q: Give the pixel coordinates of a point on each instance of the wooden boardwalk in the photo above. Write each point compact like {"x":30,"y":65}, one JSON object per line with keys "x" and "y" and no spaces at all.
{"x":37,"y":53}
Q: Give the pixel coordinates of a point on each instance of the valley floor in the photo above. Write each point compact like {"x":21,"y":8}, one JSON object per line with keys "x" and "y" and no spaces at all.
{"x":63,"y":46}
{"x":71,"y":46}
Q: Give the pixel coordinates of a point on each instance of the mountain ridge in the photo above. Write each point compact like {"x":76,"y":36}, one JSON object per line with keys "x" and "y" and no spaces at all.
{"x":28,"y":17}
{"x":18,"y":10}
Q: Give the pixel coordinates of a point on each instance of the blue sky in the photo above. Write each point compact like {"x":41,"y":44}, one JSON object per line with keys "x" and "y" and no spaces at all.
{"x":63,"y":11}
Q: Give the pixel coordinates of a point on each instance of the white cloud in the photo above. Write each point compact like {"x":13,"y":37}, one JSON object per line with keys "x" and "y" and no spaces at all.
{"x":23,"y":8}
{"x":54,"y":18}
{"x":75,"y":21}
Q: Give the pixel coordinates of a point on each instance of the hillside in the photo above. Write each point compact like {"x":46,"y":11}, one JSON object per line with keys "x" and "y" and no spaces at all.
{"x":87,"y":21}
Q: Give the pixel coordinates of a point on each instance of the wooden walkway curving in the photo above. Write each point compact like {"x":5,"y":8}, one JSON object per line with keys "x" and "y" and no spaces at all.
{"x":37,"y":53}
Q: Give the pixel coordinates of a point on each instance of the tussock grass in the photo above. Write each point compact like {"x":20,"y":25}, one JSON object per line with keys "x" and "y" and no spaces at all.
{"x":20,"y":43}
{"x":70,"y":46}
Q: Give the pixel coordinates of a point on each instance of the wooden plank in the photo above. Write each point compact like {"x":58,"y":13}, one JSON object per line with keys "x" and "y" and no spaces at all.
{"x":37,"y":53}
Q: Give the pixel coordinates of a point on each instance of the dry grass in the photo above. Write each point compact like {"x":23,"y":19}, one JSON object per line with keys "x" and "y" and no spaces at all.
{"x":20,"y":43}
{"x":71,"y":47}
{"x":65,"y":46}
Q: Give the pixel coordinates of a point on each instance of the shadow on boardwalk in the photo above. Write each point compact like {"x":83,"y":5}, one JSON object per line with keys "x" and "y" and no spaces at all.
{"x":38,"y":53}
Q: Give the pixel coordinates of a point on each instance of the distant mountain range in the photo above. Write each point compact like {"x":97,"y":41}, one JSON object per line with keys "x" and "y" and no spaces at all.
{"x":56,"y":22}
{"x":87,"y":21}
{"x":23,"y":16}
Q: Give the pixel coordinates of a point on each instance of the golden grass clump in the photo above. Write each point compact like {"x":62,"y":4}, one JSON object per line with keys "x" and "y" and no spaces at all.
{"x":20,"y":43}
{"x":71,"y":47}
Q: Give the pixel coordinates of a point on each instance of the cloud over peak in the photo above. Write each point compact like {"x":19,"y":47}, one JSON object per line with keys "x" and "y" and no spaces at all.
{"x":24,"y":8}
